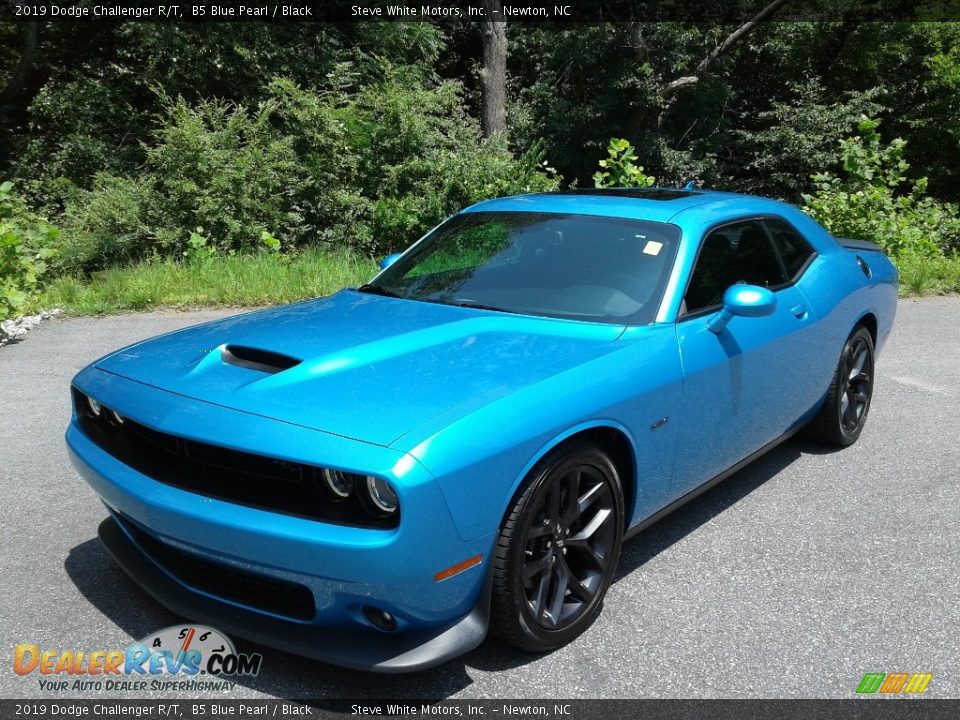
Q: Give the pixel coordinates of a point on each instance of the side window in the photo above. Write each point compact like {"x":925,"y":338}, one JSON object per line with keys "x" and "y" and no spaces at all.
{"x":737,"y":253}
{"x":794,"y":250}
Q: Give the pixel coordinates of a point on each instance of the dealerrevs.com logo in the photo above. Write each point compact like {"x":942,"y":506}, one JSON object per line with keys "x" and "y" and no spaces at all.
{"x":181,"y":657}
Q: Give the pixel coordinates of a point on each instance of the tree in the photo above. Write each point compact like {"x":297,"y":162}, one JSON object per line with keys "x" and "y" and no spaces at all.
{"x":18,"y":79}
{"x":493,"y":72}
{"x":668,"y":92}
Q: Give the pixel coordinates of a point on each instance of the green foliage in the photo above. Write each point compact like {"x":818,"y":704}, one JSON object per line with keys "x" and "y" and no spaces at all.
{"x":108,"y":224}
{"x":797,"y":137}
{"x":619,"y":169}
{"x":216,"y":166}
{"x":269,"y":242}
{"x":395,"y":158}
{"x":876,"y":201}
{"x":922,"y":274}
{"x":225,"y":168}
{"x":918,"y":67}
{"x":105,"y":89}
{"x":27,"y":244}
{"x":82,"y":127}
{"x":365,"y":135}
{"x":370,"y":170}
{"x":765,"y":116}
{"x":241,"y":280}
{"x":198,"y":248}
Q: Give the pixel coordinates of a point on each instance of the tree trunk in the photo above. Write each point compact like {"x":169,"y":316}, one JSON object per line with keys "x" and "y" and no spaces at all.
{"x":21,"y":73}
{"x":493,"y":73}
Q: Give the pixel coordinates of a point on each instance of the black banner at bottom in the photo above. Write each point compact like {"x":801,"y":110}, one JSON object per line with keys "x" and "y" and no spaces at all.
{"x":854,"y":709}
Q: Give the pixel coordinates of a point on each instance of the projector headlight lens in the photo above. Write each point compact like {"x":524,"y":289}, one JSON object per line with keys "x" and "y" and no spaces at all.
{"x":95,"y":407}
{"x":382,"y":496}
{"x":340,"y":484}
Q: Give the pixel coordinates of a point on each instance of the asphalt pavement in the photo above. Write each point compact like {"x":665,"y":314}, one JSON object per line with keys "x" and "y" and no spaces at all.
{"x":791,"y":579}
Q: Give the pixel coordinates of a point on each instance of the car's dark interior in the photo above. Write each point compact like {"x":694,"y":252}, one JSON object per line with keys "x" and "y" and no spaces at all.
{"x":738,"y":253}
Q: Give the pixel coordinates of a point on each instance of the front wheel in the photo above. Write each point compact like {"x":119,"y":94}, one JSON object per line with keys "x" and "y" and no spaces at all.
{"x":844,"y":412}
{"x":558,"y":550}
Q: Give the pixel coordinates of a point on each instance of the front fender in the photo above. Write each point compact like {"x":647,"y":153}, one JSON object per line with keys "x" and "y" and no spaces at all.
{"x":481,"y":458}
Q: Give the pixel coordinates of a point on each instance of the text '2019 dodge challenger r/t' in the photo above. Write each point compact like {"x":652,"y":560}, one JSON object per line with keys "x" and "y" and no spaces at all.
{"x":379,"y":477}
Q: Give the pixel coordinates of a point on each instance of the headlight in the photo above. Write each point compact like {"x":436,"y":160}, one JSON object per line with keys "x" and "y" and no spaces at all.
{"x":94,"y":406}
{"x":340,"y":484}
{"x":382,"y":496}
{"x":376,"y":496}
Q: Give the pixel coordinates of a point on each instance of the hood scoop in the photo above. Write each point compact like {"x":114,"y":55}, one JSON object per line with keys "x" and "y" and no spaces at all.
{"x":250,"y":358}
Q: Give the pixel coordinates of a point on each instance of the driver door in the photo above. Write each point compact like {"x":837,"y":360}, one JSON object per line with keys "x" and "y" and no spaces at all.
{"x":741,"y":387}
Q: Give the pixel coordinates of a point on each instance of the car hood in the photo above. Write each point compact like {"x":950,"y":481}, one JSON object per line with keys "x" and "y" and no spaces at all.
{"x":357,"y":365}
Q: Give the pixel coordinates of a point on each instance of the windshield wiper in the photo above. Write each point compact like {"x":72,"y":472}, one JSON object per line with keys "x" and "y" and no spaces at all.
{"x":477,"y":306}
{"x":374,"y":289}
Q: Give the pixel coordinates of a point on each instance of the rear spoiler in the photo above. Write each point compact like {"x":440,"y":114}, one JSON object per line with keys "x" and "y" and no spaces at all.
{"x":866,"y":245}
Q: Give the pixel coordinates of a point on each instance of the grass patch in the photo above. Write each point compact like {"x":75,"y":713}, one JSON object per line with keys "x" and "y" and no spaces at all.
{"x":928,"y":275}
{"x":246,"y":280}
{"x":265,"y":279}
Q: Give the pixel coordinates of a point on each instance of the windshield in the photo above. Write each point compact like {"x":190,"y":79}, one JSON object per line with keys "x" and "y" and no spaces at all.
{"x":581,"y":267}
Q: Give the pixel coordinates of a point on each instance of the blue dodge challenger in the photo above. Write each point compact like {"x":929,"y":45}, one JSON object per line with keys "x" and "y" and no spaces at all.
{"x":380,"y":477}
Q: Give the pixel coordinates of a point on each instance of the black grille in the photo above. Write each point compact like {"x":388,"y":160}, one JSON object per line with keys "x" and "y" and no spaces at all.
{"x":213,"y":471}
{"x":280,"y":597}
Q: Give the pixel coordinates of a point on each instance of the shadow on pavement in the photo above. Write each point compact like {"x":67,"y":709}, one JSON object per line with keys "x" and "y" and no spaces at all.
{"x":683,"y":521}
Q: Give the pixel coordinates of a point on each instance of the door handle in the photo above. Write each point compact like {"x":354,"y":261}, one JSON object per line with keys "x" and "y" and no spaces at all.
{"x":799,"y":311}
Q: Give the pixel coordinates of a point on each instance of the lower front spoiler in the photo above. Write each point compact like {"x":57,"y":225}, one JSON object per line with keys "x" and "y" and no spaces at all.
{"x":371,"y":650}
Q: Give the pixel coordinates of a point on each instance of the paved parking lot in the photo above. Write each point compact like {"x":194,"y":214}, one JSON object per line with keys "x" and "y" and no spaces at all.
{"x":791,"y":579}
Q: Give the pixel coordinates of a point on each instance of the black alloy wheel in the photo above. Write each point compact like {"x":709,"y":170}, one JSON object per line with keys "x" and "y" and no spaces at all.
{"x":844,"y":412}
{"x":857,"y":376}
{"x":558,"y":550}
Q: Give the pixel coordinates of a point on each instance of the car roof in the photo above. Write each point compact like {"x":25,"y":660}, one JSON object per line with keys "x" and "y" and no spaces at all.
{"x":656,"y":204}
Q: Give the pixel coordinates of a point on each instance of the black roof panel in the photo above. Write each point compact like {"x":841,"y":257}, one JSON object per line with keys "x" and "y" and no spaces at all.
{"x":637,"y":193}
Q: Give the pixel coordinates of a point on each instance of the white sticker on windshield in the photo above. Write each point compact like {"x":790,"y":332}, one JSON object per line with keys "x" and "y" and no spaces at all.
{"x":652,"y":247}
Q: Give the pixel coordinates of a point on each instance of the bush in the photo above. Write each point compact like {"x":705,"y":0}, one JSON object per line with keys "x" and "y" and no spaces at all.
{"x":80,"y":128}
{"x":369,"y":170}
{"x":27,"y":243}
{"x":619,"y":168}
{"x":875,"y":200}
{"x":214,"y":165}
{"x":395,"y":158}
{"x":109,"y":224}
{"x":222,"y":167}
{"x":798,"y":137}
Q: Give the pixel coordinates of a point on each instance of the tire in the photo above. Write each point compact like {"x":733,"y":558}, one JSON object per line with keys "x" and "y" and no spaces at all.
{"x":558,"y":550}
{"x":844,"y":412}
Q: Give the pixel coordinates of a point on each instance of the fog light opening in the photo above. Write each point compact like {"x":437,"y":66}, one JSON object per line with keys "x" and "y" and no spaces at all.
{"x":380,"y":619}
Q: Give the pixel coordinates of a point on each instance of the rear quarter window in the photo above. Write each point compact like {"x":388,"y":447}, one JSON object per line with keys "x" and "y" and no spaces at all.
{"x":793,"y":248}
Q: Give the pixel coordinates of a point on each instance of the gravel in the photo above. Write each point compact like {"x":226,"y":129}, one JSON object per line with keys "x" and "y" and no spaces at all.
{"x":16,"y":329}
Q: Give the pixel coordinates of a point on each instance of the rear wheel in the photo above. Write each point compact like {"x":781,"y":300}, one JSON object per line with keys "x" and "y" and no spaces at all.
{"x":844,"y":412}
{"x":558,"y":550}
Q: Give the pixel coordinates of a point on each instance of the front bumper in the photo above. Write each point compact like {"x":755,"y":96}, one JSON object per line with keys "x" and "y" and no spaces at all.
{"x":339,"y":569}
{"x":353,"y":648}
